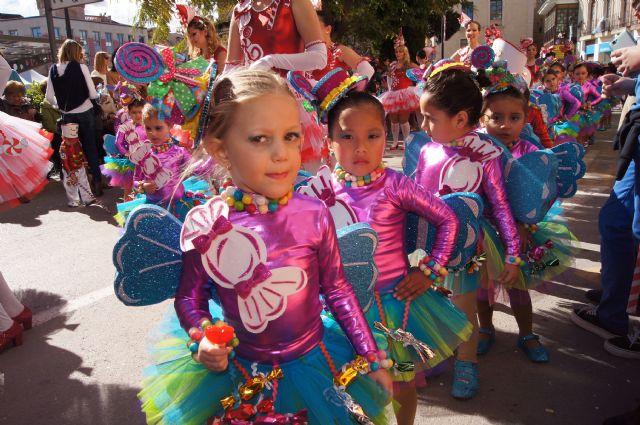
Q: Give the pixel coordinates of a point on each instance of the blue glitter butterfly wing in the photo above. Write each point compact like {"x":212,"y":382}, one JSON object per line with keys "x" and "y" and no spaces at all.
{"x":530,"y":136}
{"x":531,"y":184}
{"x":571,"y":167}
{"x":147,"y":257}
{"x":109,"y":144}
{"x":413,"y":144}
{"x":468,"y":208}
{"x":358,"y":243}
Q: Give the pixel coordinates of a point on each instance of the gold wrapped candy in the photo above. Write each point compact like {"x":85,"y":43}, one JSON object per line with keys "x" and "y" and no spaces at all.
{"x":346,"y":376}
{"x":276,"y":373}
{"x":227,"y":402}
{"x":253,"y":387}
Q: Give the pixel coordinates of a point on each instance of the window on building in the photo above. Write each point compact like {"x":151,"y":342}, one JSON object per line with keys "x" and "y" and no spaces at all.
{"x":495,"y":10}
{"x":141,"y":39}
{"x":120,"y":39}
{"x":109,"y":43}
{"x":96,"y":37}
{"x":129,"y":38}
{"x":468,"y":10}
{"x":56,"y":32}
{"x":36,"y":32}
{"x":13,"y":32}
{"x":83,"y":35}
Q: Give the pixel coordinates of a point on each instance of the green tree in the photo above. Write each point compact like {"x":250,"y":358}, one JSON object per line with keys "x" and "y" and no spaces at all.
{"x":369,"y":23}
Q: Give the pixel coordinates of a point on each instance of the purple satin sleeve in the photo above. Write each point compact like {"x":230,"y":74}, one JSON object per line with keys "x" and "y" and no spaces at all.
{"x":496,"y":193}
{"x":338,"y":293}
{"x":121,"y":143}
{"x":570,"y":103}
{"x":412,"y":197}
{"x":521,"y":147}
{"x":194,"y":291}
{"x":590,"y":89}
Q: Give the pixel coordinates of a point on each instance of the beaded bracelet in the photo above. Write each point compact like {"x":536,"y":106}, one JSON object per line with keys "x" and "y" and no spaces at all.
{"x":514,"y":260}
{"x":432,"y":269}
{"x":531,"y":227}
{"x":219,"y":333}
{"x":360,"y":365}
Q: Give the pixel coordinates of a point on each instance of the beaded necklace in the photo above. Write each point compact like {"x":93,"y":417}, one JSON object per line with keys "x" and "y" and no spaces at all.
{"x":350,"y":180}
{"x":163,"y":147}
{"x":251,"y":203}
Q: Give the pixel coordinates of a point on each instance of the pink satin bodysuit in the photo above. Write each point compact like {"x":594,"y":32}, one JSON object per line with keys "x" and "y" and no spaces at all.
{"x":300,"y":234}
{"x":174,"y":160}
{"x":475,"y":173}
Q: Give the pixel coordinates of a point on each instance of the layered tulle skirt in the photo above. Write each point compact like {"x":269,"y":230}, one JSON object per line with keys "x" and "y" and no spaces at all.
{"x":431,"y":318}
{"x":195,"y":192}
{"x":177,"y":390}
{"x":24,"y":159}
{"x":400,"y":101}
{"x":119,"y":170}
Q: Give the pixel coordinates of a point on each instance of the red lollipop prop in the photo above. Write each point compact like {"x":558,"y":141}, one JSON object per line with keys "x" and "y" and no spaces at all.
{"x":219,"y":334}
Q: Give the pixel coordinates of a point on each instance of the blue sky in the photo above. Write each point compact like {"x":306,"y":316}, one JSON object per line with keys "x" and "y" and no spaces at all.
{"x":120,"y":10}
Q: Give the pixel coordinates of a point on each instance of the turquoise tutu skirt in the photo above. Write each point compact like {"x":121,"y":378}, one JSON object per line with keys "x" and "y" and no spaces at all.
{"x":432,"y":319}
{"x":560,"y":247}
{"x":196,"y":192}
{"x":565,"y":131}
{"x":180,"y":391}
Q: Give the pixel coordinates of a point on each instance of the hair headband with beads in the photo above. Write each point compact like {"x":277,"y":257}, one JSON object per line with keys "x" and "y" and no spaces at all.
{"x":501,"y":79}
{"x":445,"y":65}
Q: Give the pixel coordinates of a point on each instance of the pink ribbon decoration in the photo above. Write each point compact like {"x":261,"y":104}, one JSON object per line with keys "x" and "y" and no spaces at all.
{"x":328,"y":196}
{"x":221,"y":226}
{"x":174,"y":73}
{"x":260,"y":274}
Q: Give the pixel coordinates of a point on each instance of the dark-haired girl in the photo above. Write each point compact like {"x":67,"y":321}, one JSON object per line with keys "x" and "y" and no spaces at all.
{"x":472,"y":32}
{"x":589,"y":115}
{"x":463,"y":160}
{"x":382,"y":198}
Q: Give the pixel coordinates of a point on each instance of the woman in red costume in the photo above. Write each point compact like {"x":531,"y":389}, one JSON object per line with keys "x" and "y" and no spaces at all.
{"x":283,"y":35}
{"x":202,"y":38}
{"x":401,"y":99}
{"x":531,"y":50}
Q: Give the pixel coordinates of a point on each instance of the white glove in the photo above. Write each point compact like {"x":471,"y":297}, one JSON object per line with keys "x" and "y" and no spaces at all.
{"x":365,"y":69}
{"x":314,"y":57}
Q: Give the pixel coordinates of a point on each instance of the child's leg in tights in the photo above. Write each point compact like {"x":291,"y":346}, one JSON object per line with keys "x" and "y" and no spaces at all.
{"x":485,"y":312}
{"x":405,"y":394}
{"x":520,"y":301}
{"x":467,"y":351}
{"x":9,"y":302}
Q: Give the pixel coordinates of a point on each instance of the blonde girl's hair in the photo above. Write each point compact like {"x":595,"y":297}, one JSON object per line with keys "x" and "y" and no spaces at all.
{"x":213,"y":40}
{"x":101,"y":62}
{"x":70,"y":50}
{"x":149,"y":112}
{"x":406,"y":61}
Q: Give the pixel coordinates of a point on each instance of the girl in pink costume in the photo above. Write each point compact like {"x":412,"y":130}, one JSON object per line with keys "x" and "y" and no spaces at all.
{"x":461,"y":160}
{"x":403,"y":298}
{"x":590,"y":115}
{"x":282,"y":35}
{"x":267,"y":255}
{"x":401,"y":100}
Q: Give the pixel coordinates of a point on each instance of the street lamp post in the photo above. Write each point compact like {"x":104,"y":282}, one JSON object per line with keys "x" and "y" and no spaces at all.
{"x":50,"y":28}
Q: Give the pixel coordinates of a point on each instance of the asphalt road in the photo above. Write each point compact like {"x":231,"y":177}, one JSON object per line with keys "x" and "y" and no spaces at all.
{"x":82,"y":362}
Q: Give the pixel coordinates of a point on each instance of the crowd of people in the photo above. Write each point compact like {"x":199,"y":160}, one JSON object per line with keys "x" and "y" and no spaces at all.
{"x":268,"y":155}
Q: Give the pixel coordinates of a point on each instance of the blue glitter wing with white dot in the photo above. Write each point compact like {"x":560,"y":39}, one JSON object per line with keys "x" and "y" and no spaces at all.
{"x":571,"y":167}
{"x":358,"y":244}
{"x":468,"y":208}
{"x":147,"y":257}
{"x":531,"y":183}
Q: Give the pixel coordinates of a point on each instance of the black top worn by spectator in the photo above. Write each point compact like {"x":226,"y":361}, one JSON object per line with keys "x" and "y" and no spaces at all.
{"x":69,"y":88}
{"x":626,"y":141}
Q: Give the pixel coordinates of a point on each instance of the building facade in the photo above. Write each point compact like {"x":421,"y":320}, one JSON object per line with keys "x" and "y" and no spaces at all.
{"x":95,"y":33}
{"x":514,"y":18}
{"x":602,"y":21}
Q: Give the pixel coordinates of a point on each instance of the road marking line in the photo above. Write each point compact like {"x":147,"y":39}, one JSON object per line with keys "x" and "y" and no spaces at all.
{"x":76,"y":304}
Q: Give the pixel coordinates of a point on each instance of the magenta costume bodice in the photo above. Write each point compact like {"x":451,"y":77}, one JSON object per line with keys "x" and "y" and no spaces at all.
{"x":384,"y":205}
{"x":291,"y":258}
{"x":473,"y":167}
{"x":591,"y":93}
{"x":521,"y":147}
{"x":173,"y":160}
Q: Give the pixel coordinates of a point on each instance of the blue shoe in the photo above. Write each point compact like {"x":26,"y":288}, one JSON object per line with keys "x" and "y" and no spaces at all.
{"x":465,"y":380}
{"x":484,"y":345}
{"x":537,"y":354}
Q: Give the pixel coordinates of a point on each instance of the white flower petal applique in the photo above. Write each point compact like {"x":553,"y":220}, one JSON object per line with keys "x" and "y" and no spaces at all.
{"x":319,"y":186}
{"x":235,"y":257}
{"x":463,"y":172}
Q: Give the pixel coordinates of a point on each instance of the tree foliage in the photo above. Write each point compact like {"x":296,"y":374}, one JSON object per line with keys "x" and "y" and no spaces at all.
{"x":369,"y":23}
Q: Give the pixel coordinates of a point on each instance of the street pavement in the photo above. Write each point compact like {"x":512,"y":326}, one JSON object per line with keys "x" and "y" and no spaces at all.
{"x":82,"y":362}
